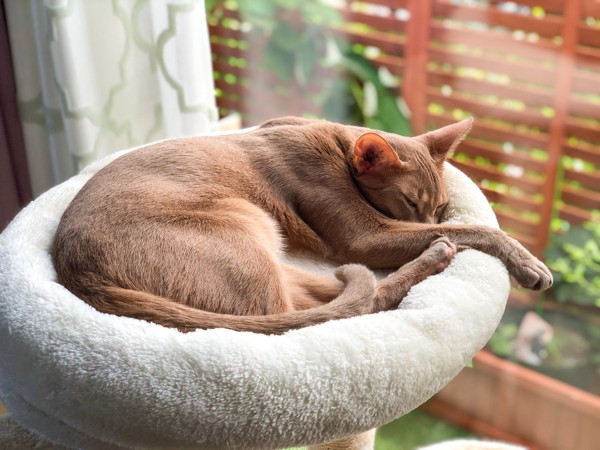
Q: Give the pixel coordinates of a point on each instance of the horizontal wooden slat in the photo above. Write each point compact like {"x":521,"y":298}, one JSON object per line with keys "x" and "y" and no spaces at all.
{"x":526,"y":184}
{"x":513,"y":222}
{"x":544,"y":49}
{"x":225,"y":32}
{"x":484,"y":130}
{"x":392,"y":4}
{"x":591,"y":180}
{"x":573,"y":215}
{"x":519,"y":71}
{"x":389,"y":24}
{"x":531,"y":96}
{"x":588,"y":58}
{"x":574,"y":127}
{"x":384,"y":41}
{"x":589,"y":36}
{"x":395,"y":64}
{"x":222,"y":66}
{"x":522,"y":203}
{"x":586,"y":82}
{"x":583,"y":151}
{"x":229,"y":88}
{"x":553,"y":6}
{"x":582,"y":108}
{"x":549,"y":27}
{"x":229,"y":104}
{"x":497,"y":156}
{"x":580,"y":198}
{"x":480,"y":108}
{"x":591,"y":8}
{"x":223,"y":50}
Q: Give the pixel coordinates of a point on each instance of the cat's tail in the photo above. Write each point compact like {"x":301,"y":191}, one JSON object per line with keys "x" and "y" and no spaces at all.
{"x":357,"y":298}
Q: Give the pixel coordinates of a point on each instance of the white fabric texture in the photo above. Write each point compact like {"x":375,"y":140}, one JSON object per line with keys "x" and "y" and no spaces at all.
{"x":90,"y":380}
{"x":94,"y":76}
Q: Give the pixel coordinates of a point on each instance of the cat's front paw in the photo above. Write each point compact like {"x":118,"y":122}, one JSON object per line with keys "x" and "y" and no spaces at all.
{"x":527,"y":270}
{"x":440,"y":253}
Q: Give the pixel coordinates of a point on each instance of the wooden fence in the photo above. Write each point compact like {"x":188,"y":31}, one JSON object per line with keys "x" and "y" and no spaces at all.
{"x":528,"y":71}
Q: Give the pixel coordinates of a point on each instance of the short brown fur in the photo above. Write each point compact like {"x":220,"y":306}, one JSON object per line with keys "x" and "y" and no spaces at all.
{"x":189,"y":233}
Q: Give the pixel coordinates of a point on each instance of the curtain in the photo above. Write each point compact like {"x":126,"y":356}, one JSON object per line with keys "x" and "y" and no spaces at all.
{"x":96,"y":76}
{"x":15,"y":190}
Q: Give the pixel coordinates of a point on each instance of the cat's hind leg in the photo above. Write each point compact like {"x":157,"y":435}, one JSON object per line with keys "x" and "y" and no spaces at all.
{"x":309,"y":290}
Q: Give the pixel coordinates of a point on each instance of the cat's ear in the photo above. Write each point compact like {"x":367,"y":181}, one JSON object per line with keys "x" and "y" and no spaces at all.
{"x":374,"y":156}
{"x":443,"y":141}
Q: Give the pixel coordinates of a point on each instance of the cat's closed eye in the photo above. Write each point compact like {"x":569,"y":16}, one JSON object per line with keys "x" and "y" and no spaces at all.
{"x":410,"y":203}
{"x":440,"y":210}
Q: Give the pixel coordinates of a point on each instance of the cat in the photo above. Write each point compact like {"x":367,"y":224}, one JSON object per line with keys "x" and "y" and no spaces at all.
{"x":189,"y":233}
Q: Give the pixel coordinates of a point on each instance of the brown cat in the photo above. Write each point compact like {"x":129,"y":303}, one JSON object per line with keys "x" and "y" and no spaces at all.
{"x":189,"y":233}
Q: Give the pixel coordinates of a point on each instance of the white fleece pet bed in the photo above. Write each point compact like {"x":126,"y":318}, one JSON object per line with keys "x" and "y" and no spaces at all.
{"x":83,"y":379}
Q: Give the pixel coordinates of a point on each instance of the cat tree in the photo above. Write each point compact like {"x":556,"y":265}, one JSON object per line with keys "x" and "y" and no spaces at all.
{"x":78,"y":378}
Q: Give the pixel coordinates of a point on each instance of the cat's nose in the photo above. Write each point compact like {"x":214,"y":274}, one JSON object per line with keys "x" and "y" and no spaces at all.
{"x":429,"y":219}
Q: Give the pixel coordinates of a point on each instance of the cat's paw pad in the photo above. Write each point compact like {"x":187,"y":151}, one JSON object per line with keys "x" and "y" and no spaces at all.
{"x":533,"y":274}
{"x":440,"y":253}
{"x":527,"y":270}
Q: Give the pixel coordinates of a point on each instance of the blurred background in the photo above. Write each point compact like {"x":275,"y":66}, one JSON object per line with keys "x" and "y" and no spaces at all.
{"x":528,"y":71}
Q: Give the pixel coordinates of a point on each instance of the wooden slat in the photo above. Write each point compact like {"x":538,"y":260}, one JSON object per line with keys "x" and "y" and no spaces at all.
{"x":522,"y":203}
{"x":573,"y":215}
{"x":526,"y":184}
{"x":591,"y":180}
{"x":497,"y":156}
{"x":580,"y":198}
{"x":587,"y":58}
{"x":389,"y":24}
{"x":550,"y":26}
{"x":224,"y":51}
{"x":222,"y":66}
{"x":532,"y":96}
{"x":589,"y":36}
{"x":392,"y":4}
{"x":393,"y":45}
{"x":484,"y":130}
{"x":574,"y":127}
{"x":229,"y":104}
{"x":226,"y":33}
{"x":513,"y":222}
{"x":552,"y":6}
{"x":543,"y":50}
{"x":582,"y":108}
{"x":479,"y":108}
{"x":583,"y":151}
{"x":520,"y":71}
{"x":586,"y":82}
{"x":591,"y":8}
{"x":230,"y":89}
{"x":395,"y":64}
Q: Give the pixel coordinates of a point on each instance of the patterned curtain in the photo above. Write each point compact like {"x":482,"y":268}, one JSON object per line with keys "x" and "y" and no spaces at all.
{"x":96,"y":76}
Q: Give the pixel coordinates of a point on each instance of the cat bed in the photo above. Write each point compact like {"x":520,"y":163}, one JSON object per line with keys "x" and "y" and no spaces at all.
{"x":79,"y":378}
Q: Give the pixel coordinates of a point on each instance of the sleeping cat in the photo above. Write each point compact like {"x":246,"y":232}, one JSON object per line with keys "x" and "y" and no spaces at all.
{"x":189,"y":233}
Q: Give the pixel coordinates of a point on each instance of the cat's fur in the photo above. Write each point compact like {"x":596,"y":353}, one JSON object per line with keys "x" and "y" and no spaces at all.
{"x":189,"y":233}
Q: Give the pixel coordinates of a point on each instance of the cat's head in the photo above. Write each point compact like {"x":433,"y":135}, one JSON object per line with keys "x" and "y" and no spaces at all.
{"x":403,"y":177}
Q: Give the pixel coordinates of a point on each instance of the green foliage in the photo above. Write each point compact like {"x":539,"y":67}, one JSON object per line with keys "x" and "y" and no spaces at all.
{"x":300,"y":39}
{"x":362,"y":98}
{"x":502,"y":342}
{"x":574,"y":259}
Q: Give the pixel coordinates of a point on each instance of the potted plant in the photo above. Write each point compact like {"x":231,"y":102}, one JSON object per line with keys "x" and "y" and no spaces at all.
{"x":297,"y":42}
